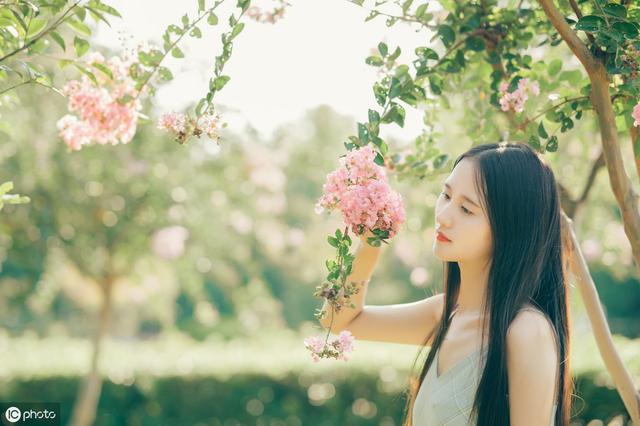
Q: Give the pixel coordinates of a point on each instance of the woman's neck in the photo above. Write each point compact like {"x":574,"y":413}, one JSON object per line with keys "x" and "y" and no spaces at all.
{"x":474,"y":277}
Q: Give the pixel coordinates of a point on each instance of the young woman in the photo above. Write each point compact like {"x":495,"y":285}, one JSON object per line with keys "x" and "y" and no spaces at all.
{"x":499,"y":332}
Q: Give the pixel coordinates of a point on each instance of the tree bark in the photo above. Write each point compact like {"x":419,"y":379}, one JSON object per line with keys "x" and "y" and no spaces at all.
{"x":86,"y":405}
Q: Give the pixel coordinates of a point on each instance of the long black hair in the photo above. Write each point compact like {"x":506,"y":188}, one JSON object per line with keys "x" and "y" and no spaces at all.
{"x":518,"y":192}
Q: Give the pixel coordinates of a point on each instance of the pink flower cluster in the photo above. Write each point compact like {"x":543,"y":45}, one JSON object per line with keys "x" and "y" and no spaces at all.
{"x":636,"y":115}
{"x":515,"y":100}
{"x":182,"y":126}
{"x":258,"y":15}
{"x":359,"y":189}
{"x":338,"y":348}
{"x":106,"y":113}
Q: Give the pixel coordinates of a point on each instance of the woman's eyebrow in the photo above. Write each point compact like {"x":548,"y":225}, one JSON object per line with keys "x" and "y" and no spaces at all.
{"x":464,"y":196}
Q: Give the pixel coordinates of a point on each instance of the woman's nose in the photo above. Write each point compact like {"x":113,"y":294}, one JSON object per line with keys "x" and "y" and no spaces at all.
{"x":443,"y":218}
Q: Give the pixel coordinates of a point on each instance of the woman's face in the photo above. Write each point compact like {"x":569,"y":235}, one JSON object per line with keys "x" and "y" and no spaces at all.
{"x":460,"y":217}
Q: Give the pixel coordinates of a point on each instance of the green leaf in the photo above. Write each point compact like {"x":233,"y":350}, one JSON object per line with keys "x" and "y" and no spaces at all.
{"x":427,"y":53}
{"x":420,"y":10}
{"x":333,"y":241}
{"x":440,"y":160}
{"x":383,"y":49}
{"x":219,"y":82}
{"x":534,"y":142}
{"x":395,"y":114}
{"x":629,"y":30}
{"x":375,"y":61}
{"x":236,"y":30}
{"x":80,"y":28}
{"x":590,"y":23}
{"x":395,"y":54}
{"x":199,"y":108}
{"x":64,"y":62}
{"x":554,"y":67}
{"x":36,"y":26}
{"x":363,"y":134}
{"x":212,"y":19}
{"x":177,"y":53}
{"x":200,"y":5}
{"x":475,"y":43}
{"x":86,"y":72}
{"x":99,"y":5}
{"x":379,"y":160}
{"x":395,"y":89}
{"x":165,"y":73}
{"x":58,"y":39}
{"x":542,"y":131}
{"x":617,"y":10}
{"x":374,"y":117}
{"x":447,"y":34}
{"x":6,"y":187}
{"x":195,"y":32}
{"x":185,"y":21}
{"x":80,"y":45}
{"x":552,"y":144}
{"x":567,"y":124}
{"x":104,"y":69}
{"x":20,"y":21}
{"x":97,"y":16}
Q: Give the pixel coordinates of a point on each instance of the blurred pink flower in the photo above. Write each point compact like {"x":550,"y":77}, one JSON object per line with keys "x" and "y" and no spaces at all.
{"x":182,"y":126}
{"x":106,"y":112}
{"x":636,"y":115}
{"x":169,"y":243}
{"x":172,"y":122}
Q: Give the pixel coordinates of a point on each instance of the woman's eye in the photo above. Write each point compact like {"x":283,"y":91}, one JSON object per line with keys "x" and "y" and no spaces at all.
{"x":464,"y":209}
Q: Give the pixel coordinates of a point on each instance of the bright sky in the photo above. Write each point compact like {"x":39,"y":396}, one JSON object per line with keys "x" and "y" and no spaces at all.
{"x":314,"y":56}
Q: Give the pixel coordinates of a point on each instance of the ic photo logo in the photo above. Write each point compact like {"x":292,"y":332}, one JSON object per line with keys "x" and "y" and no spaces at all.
{"x":12,"y":414}
{"x":30,"y":413}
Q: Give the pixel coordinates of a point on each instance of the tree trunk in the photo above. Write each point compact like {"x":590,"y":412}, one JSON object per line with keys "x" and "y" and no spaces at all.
{"x":86,"y":405}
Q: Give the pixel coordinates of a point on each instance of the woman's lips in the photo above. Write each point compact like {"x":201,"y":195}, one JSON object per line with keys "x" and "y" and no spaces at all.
{"x":440,"y":237}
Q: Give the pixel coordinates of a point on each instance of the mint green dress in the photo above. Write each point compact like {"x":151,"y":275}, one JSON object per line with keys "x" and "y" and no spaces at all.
{"x":446,"y":400}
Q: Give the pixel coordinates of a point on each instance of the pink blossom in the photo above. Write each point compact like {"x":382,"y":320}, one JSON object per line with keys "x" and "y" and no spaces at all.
{"x":210,"y":124}
{"x":337,"y":348}
{"x":258,"y":15}
{"x":172,"y":122}
{"x":315,"y":344}
{"x":636,"y":115}
{"x":515,"y":100}
{"x":183,"y":126}
{"x":102,"y":114}
{"x":360,"y":190}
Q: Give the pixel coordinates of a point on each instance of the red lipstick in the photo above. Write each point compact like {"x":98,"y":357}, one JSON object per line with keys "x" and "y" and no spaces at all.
{"x":441,"y":237}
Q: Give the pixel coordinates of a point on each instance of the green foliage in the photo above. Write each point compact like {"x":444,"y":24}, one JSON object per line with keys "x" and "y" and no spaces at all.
{"x":6,"y":198}
{"x":26,"y":29}
{"x":471,"y":34}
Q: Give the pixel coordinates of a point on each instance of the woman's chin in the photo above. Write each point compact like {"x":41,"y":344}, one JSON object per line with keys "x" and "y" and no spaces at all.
{"x":440,"y":254}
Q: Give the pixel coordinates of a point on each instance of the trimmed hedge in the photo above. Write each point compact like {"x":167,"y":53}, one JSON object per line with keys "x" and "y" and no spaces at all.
{"x":251,"y":399}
